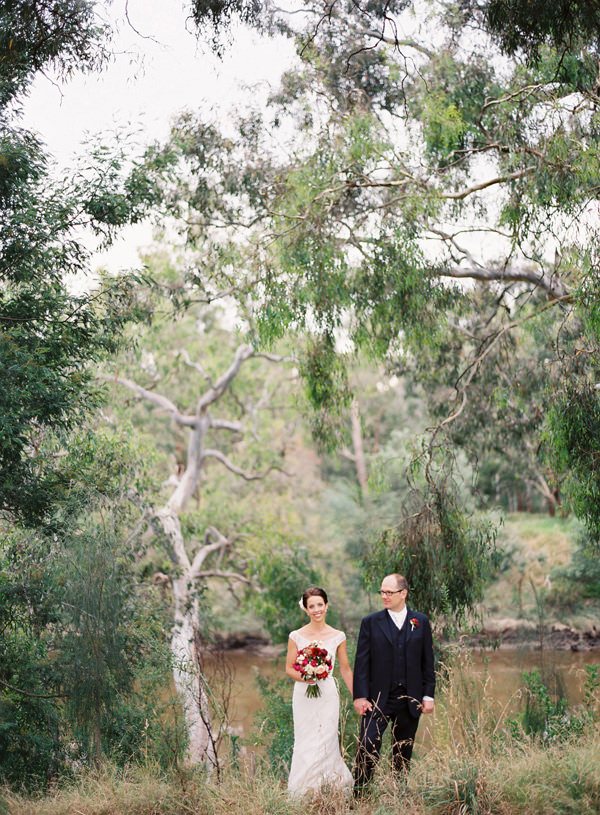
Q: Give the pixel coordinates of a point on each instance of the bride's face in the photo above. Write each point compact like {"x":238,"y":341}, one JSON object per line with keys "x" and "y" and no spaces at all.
{"x":316,"y":608}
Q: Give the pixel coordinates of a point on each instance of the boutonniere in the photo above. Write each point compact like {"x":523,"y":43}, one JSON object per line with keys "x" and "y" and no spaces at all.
{"x":414,"y":623}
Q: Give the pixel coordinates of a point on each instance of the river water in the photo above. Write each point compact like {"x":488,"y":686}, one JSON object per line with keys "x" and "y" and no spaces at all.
{"x":499,"y":674}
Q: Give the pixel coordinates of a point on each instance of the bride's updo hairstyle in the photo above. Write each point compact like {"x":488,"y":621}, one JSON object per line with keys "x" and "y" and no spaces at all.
{"x":314,"y":591}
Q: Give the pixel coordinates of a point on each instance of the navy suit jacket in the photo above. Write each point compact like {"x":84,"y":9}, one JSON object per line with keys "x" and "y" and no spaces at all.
{"x":373,"y":665}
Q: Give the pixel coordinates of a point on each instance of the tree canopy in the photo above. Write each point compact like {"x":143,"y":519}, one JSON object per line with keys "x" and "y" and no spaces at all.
{"x":418,"y":189}
{"x":49,"y":333}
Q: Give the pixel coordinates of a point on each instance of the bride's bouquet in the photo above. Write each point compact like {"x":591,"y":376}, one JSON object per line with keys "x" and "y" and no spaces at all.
{"x":314,"y":663}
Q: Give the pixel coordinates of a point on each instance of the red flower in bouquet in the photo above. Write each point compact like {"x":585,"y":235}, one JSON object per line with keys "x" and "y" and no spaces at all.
{"x":313,"y":663}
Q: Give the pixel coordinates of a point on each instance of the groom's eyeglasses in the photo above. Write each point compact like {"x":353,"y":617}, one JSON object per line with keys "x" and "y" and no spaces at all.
{"x":389,"y":593}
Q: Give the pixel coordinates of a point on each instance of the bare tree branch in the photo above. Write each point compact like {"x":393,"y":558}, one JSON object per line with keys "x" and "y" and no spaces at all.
{"x":347,"y":454}
{"x":550,"y":283}
{"x":30,"y":694}
{"x":238,"y":470}
{"x":155,"y":398}
{"x":224,"y":424}
{"x":274,"y":357}
{"x":226,"y":575}
{"x":396,"y":43}
{"x":243,"y":353}
{"x":206,"y":550}
{"x":195,"y":365}
{"x":525,"y":92}
{"x":407,"y":179}
{"x":501,"y":179}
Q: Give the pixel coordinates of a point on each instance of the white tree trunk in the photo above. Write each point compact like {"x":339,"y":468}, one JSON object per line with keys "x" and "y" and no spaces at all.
{"x":187,"y":661}
{"x":185,"y":644}
{"x":187,"y":673}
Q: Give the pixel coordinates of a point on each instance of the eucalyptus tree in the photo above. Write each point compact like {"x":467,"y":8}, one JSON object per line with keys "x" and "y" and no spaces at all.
{"x":408,"y":163}
{"x":219,"y":416}
{"x":50,"y":336}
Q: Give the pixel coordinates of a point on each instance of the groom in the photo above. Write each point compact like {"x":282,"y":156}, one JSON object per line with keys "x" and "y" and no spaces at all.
{"x":394,"y":679}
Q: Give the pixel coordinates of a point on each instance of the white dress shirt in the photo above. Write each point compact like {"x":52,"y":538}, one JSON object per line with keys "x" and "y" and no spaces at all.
{"x":398,"y":616}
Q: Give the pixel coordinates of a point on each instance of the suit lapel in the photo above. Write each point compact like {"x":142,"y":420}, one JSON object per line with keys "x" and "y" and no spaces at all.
{"x":409,"y":615}
{"x":385,"y":623}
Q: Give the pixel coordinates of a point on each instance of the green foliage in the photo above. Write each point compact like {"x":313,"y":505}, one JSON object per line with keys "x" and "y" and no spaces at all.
{"x":35,"y":35}
{"x":443,"y":126}
{"x":98,"y":645}
{"x":397,"y":300}
{"x":50,"y":336}
{"x":445,"y":554}
{"x":574,"y":70}
{"x":30,"y":747}
{"x":580,"y":579}
{"x":587,"y":294}
{"x":274,"y":725}
{"x":547,"y":716}
{"x":573,"y":431}
{"x":543,"y":715}
{"x":104,"y":641}
{"x":283,"y":572}
{"x":526,"y":25}
{"x":83,"y":650}
{"x":327,"y":390}
{"x":468,"y":793}
{"x":29,"y":717}
{"x":216,"y":16}
{"x":499,"y":426}
{"x":568,"y":175}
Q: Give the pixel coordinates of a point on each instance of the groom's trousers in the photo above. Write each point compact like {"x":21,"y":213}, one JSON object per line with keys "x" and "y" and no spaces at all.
{"x":372,"y":727}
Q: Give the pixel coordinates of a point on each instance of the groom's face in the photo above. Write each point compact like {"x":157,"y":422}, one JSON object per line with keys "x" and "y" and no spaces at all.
{"x":392,"y":596}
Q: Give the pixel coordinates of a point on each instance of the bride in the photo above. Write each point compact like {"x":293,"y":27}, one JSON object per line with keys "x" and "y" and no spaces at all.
{"x":316,"y":759}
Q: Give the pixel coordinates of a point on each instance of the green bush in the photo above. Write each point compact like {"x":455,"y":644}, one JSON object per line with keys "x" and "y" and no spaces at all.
{"x":274,"y":723}
{"x":580,"y":579}
{"x":547,"y":716}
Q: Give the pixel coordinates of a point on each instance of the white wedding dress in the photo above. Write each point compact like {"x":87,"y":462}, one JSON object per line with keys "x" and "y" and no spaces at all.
{"x":317,"y":760}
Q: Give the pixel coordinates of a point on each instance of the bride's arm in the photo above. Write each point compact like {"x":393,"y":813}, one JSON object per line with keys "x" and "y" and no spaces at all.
{"x":343,"y":662}
{"x":292,"y":652}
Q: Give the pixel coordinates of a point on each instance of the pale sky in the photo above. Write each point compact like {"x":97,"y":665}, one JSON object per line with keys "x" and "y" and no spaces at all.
{"x":155,"y":74}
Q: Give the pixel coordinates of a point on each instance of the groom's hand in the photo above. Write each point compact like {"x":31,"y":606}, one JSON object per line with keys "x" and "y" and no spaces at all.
{"x":362,"y":706}
{"x":427,"y":706}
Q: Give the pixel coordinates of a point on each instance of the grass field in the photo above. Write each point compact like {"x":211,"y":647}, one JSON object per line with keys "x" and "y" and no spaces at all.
{"x":479,"y":763}
{"x":529,"y":781}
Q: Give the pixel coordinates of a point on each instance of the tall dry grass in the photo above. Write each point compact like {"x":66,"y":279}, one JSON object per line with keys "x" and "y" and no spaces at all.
{"x":473,"y":760}
{"x":562,"y":780}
